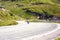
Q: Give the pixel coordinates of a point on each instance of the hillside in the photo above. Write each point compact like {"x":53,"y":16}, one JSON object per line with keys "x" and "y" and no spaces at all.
{"x":38,"y":6}
{"x":7,"y":15}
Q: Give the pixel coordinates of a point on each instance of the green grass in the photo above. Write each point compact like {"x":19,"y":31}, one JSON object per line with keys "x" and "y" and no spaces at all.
{"x":57,"y":38}
{"x":18,"y":10}
{"x":56,"y":1}
{"x":49,"y":8}
{"x":7,"y":23}
{"x":19,"y":14}
{"x":7,"y":15}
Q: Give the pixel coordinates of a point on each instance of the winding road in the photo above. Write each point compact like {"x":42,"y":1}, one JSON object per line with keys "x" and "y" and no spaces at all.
{"x":24,"y":31}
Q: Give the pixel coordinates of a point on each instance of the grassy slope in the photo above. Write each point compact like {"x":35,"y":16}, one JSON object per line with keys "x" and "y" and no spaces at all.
{"x":50,"y":8}
{"x":6,"y":15}
{"x":7,"y":23}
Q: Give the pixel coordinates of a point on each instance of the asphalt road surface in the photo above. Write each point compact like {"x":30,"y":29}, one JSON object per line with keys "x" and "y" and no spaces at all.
{"x":32,"y":31}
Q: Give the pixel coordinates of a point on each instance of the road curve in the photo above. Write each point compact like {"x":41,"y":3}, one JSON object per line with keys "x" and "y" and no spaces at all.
{"x":47,"y":36}
{"x":24,"y":31}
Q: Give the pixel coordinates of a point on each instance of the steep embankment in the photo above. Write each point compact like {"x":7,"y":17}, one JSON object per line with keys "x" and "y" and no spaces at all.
{"x":16,"y":7}
{"x":7,"y":15}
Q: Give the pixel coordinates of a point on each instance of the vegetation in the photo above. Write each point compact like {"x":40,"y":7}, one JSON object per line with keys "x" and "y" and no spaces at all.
{"x":58,"y":39}
{"x":6,"y":15}
{"x":17,"y":7}
{"x":7,"y":23}
{"x":13,"y":9}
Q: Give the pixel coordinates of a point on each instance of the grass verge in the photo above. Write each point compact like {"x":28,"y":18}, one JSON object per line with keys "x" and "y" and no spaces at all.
{"x":57,"y":38}
{"x":8,"y":23}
